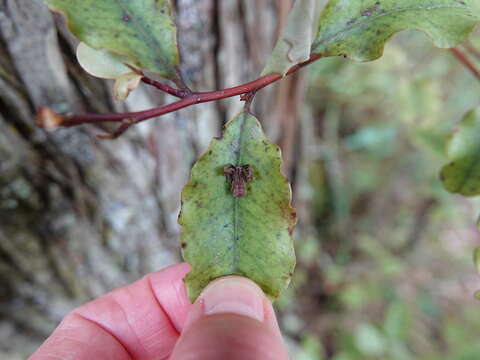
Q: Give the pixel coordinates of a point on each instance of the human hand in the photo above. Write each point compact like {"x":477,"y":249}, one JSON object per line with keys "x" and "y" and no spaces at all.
{"x":153,"y":319}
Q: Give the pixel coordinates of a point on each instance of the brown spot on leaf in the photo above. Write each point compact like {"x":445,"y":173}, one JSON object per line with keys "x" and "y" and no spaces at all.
{"x":293,"y":218}
{"x":293,"y":214}
{"x":126,"y":18}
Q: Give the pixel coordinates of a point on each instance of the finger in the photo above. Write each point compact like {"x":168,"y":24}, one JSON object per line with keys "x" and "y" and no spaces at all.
{"x":143,"y":318}
{"x":232,"y":319}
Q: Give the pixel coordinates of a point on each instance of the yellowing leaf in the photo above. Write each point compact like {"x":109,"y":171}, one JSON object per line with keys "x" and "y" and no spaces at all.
{"x":125,"y":84}
{"x":359,"y":28}
{"x":101,"y":63}
{"x":248,"y":235}
{"x":142,"y":30}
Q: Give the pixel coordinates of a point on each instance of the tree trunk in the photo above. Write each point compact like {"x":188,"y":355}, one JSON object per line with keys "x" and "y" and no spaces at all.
{"x":80,"y":216}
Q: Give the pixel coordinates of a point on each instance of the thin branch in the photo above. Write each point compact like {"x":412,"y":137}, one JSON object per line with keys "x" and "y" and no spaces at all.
{"x":466,"y":61}
{"x":48,"y":119}
{"x":165,"y":88}
{"x":119,"y":131}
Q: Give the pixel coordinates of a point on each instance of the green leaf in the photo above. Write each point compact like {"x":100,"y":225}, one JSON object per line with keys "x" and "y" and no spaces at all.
{"x":476,"y":258}
{"x":462,"y":174}
{"x":396,"y":324}
{"x":294,"y":45}
{"x":359,"y":29}
{"x":141,"y":30}
{"x":370,"y":341}
{"x":248,"y":235}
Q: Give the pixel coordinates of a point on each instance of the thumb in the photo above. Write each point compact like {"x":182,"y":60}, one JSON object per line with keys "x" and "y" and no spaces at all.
{"x":232,"y":319}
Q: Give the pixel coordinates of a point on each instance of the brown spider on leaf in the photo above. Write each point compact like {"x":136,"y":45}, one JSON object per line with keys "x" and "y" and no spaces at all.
{"x":238,"y":176}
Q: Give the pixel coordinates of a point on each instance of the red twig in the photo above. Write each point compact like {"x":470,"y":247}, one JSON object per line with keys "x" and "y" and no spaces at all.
{"x":466,"y":61}
{"x":46,"y":117}
{"x":165,"y":88}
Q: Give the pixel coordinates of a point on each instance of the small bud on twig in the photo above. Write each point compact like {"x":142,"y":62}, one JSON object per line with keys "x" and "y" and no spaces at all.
{"x":48,"y":119}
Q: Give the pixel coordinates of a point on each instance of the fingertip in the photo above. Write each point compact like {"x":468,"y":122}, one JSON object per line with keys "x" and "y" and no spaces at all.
{"x":228,"y":336}
{"x":231,"y":319}
{"x":234,"y":295}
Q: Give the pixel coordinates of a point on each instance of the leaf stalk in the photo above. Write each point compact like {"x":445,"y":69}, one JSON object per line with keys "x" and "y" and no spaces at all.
{"x":460,"y":55}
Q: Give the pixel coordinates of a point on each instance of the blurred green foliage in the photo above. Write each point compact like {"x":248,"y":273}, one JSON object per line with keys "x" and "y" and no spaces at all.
{"x":385,"y":263}
{"x":461,"y":175}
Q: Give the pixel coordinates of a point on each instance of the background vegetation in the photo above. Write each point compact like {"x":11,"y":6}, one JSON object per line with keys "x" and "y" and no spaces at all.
{"x":385,"y":253}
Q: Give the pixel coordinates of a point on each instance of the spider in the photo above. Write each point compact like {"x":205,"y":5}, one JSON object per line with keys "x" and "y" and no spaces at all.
{"x":237,"y":176}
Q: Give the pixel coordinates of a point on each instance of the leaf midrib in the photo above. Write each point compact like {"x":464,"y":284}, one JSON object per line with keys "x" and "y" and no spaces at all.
{"x":236,"y":200}
{"x":387,"y":13}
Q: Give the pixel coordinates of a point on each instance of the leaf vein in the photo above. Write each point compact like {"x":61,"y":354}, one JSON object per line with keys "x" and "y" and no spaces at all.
{"x":236,"y":206}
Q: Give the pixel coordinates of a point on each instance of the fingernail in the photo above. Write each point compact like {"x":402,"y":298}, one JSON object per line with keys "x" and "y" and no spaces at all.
{"x":234,"y":295}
